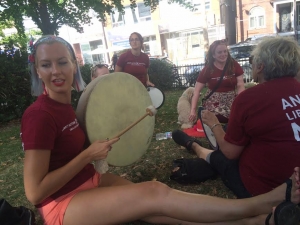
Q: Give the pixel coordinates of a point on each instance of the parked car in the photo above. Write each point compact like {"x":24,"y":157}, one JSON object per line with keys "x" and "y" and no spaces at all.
{"x":241,"y":53}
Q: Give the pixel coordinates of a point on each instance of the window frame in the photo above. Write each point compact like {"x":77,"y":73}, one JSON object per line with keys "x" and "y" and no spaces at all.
{"x":258,"y":15}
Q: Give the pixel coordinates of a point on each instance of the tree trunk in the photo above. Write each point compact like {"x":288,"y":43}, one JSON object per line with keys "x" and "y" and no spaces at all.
{"x":46,"y":26}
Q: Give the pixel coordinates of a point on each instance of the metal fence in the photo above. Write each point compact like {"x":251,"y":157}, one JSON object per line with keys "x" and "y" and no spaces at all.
{"x":187,"y":74}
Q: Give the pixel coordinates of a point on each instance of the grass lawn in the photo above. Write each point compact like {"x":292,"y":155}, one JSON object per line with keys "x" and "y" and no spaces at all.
{"x":156,"y":164}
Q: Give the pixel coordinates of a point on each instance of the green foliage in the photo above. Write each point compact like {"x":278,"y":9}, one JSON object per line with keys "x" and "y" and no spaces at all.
{"x":16,"y":40}
{"x":162,"y":74}
{"x":86,"y":72}
{"x":4,"y":25}
{"x":15,"y":94}
{"x":15,"y":90}
{"x":49,"y":16}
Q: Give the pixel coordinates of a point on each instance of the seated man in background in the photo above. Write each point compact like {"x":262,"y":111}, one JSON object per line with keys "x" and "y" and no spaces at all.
{"x":262,"y":141}
{"x":99,"y":70}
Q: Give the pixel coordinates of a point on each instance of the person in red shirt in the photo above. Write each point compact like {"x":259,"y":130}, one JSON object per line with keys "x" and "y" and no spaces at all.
{"x":262,"y":141}
{"x":232,"y":84}
{"x":134,"y":61}
{"x":62,"y":183}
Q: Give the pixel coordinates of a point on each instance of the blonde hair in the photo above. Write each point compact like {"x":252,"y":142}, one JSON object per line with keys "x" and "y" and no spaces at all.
{"x":280,"y":57}
{"x":36,"y":83}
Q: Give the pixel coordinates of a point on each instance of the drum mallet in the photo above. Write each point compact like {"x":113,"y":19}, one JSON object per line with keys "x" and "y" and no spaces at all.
{"x":150,"y":111}
{"x":101,"y":165}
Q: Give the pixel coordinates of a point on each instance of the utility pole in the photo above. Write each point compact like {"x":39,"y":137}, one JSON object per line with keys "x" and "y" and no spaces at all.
{"x":228,"y":10}
{"x":105,"y":41}
{"x":204,"y":29}
{"x":295,"y":21}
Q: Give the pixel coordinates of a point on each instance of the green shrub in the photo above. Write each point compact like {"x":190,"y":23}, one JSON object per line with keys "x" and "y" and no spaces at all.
{"x":15,"y":94}
{"x":15,"y":86}
{"x":162,"y":74}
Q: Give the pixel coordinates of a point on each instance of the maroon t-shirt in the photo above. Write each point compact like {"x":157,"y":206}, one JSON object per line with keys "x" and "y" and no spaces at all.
{"x":135,"y":65}
{"x":211,"y":77}
{"x":266,"y":120}
{"x":50,"y":125}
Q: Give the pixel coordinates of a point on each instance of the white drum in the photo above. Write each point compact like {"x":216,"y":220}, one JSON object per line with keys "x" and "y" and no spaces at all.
{"x":157,"y":97}
{"x":208,"y":132}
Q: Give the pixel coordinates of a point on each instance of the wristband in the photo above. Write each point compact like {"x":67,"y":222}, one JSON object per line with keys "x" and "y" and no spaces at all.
{"x":213,"y":126}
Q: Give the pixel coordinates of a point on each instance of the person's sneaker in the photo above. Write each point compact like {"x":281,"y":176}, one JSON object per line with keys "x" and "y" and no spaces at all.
{"x":184,"y":140}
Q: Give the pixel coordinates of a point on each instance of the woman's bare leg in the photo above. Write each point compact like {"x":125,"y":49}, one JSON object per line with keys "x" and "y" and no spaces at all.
{"x":119,"y":204}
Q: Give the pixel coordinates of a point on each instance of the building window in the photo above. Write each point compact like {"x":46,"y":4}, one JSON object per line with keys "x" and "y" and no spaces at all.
{"x":207,"y":5}
{"x":92,"y":52}
{"x":257,"y":17}
{"x":117,"y":18}
{"x":197,"y":4}
{"x":131,"y":16}
{"x":144,"y":12}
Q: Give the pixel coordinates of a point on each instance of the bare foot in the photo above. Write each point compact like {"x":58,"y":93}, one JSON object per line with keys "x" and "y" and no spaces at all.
{"x":200,"y":151}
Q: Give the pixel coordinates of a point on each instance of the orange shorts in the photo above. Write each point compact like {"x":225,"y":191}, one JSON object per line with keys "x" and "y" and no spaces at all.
{"x":53,"y":213}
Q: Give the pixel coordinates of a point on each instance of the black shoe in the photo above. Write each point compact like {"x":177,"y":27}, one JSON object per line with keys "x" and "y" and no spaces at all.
{"x":286,"y":213}
{"x":184,"y":140}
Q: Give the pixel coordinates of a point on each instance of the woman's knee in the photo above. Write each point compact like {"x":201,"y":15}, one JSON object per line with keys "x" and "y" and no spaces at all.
{"x":156,"y":189}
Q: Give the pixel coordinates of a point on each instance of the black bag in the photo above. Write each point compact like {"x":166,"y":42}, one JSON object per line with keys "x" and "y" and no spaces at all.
{"x":194,"y":170}
{"x":10,"y":215}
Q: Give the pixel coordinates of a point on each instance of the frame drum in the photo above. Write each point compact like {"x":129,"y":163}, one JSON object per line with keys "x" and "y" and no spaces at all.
{"x":109,"y":104}
{"x":208,"y":132}
{"x":157,"y":97}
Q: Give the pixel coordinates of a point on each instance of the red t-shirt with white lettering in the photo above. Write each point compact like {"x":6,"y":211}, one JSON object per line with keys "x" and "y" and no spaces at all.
{"x":50,"y":125}
{"x":266,"y":120}
{"x":211,"y":77}
{"x":135,"y":65}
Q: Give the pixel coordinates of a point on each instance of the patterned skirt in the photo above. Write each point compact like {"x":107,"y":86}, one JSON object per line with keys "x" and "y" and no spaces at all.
{"x":219,"y":102}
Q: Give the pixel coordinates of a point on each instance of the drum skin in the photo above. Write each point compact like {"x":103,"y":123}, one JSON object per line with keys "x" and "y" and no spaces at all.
{"x":208,"y":132}
{"x":108,"y":105}
{"x":157,"y":97}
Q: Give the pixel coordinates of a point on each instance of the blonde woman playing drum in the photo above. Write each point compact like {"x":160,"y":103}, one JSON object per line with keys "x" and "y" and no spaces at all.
{"x":61,"y":182}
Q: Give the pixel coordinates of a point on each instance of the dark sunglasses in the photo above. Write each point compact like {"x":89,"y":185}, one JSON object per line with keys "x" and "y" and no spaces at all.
{"x":250,"y":59}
